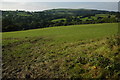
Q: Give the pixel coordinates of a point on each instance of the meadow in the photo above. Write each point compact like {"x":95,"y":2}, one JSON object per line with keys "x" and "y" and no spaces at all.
{"x":68,"y":33}
{"x":75,"y":51}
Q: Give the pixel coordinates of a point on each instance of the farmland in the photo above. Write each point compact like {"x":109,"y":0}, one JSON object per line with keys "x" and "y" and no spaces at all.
{"x":25,"y":20}
{"x":75,"y":51}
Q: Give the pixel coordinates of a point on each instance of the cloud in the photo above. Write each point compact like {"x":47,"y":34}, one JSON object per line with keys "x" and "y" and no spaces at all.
{"x":61,"y":0}
{"x":39,"y":6}
{"x":29,"y":6}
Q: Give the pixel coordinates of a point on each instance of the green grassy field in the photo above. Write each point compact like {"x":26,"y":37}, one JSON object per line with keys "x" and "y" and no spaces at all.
{"x":65,"y":33}
{"x":76,"y":51}
{"x":55,"y":20}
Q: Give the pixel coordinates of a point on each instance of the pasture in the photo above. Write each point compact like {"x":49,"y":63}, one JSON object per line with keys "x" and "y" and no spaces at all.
{"x":75,"y":51}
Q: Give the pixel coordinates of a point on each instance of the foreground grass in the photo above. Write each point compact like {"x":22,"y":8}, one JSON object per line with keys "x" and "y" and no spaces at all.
{"x":91,"y":53}
{"x":39,"y":57}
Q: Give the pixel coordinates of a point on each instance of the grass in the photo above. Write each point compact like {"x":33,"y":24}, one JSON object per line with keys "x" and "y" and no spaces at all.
{"x":104,"y":15}
{"x":87,"y":18}
{"x":23,"y":14}
{"x":81,"y":51}
{"x":57,"y":20}
{"x":65,"y":33}
{"x":96,"y":16}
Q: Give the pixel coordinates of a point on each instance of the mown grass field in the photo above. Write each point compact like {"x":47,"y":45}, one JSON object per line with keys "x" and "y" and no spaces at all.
{"x":76,"y":51}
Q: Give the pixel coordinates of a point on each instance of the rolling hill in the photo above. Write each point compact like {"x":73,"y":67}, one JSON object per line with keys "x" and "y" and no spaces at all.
{"x":24,"y":20}
{"x":76,"y":51}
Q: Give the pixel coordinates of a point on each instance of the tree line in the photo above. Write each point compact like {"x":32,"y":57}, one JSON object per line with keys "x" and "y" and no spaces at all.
{"x":24,"y":20}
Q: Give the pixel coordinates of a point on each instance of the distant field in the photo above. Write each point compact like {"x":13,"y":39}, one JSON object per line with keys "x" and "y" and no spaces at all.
{"x":55,"y":20}
{"x":87,"y":18}
{"x":104,"y":15}
{"x":78,"y":51}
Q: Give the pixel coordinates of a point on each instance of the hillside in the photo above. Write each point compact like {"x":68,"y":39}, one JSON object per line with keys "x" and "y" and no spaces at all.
{"x":24,"y":20}
{"x":78,"y":12}
{"x":76,"y":51}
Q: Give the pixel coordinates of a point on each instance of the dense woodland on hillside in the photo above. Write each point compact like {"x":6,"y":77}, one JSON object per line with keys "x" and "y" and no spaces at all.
{"x":24,"y":20}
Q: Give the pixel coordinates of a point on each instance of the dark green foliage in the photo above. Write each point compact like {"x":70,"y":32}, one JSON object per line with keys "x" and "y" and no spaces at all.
{"x":23,"y":20}
{"x":99,"y":60}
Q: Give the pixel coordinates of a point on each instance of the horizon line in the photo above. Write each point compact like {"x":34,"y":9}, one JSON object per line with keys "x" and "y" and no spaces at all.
{"x":54,"y":8}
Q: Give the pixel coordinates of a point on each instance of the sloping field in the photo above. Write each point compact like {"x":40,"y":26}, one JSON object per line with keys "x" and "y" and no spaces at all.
{"x":68,"y":33}
{"x":79,"y":51}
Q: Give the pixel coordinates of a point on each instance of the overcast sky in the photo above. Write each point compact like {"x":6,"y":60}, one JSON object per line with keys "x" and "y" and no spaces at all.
{"x":60,"y":0}
{"x":39,"y":5}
